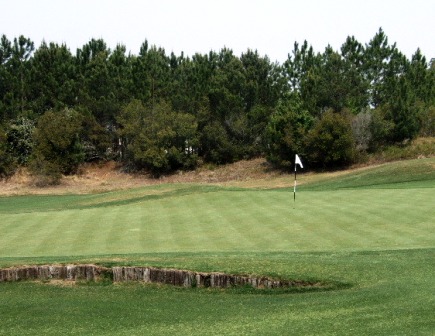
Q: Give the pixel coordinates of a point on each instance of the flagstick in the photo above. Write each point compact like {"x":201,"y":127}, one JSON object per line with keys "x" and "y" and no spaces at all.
{"x":294,"y":188}
{"x":297,"y":162}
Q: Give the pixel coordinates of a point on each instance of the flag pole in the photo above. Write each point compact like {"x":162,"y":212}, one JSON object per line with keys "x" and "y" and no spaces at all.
{"x":297,"y":162}
{"x":294,"y":188}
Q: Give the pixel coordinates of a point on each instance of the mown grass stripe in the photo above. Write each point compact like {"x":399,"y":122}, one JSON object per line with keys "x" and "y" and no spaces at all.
{"x":202,"y":229}
{"x":237,"y":220}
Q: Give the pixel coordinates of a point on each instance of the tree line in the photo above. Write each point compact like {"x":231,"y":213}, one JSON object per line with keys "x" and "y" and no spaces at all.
{"x":161,"y":113}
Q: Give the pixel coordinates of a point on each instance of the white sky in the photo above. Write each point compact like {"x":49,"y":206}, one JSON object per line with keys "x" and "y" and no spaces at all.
{"x":270,"y":26}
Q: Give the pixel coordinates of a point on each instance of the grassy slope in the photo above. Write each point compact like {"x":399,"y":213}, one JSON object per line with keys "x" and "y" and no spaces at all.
{"x":396,"y":175}
{"x":373,"y":229}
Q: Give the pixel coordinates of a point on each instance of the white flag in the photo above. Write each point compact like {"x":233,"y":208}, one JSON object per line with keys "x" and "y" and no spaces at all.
{"x":298,"y":162}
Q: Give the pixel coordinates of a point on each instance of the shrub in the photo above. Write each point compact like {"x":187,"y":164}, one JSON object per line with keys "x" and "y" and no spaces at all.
{"x":216,"y":145}
{"x":361,"y":130}
{"x":330,"y":142}
{"x":157,"y":138}
{"x":7,"y":162}
{"x":58,"y":149}
{"x":381,"y":129}
{"x":20,"y":139}
{"x":427,"y":120}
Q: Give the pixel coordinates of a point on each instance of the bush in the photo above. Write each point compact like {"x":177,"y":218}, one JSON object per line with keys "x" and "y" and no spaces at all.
{"x":7,"y":162}
{"x":57,"y":149}
{"x":427,"y":120}
{"x":216,"y":144}
{"x":46,"y":173}
{"x":361,"y":130}
{"x":381,"y":129}
{"x":157,"y":138}
{"x":330,"y":142}
{"x":96,"y":140}
{"x":20,"y":139}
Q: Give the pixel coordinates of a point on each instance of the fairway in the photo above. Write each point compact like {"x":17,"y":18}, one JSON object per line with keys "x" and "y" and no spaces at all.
{"x":372,"y":231}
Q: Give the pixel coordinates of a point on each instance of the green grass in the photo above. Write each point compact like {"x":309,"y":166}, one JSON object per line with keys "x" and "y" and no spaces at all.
{"x":392,"y":295}
{"x":371,"y":232}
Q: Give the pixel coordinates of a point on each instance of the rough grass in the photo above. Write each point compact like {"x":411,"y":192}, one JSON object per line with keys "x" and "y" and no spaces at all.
{"x":423,"y":147}
{"x":391,"y":295}
{"x":419,"y":173}
{"x":105,"y":177}
{"x":371,"y":232}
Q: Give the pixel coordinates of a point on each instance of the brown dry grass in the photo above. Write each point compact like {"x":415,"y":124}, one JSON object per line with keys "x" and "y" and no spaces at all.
{"x":109,"y":176}
{"x":58,"y":283}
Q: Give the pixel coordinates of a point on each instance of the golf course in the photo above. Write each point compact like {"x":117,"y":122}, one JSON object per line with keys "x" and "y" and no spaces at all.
{"x":368,"y":233}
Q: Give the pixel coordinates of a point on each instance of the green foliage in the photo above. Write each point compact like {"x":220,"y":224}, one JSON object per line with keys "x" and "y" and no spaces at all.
{"x":227,"y":105}
{"x":216,"y":145}
{"x":421,"y":79}
{"x":157,"y":138}
{"x":382,"y":62}
{"x":7,"y":162}
{"x":15,"y":72}
{"x":190,"y":85}
{"x":263,"y":84}
{"x":402,"y":111}
{"x":20,"y":139}
{"x":57,"y":144}
{"x":97,"y":141}
{"x":298,"y":65}
{"x":53,"y":78}
{"x":330,"y":143}
{"x":236,"y":102}
{"x":427,"y":121}
{"x":380,"y":127}
{"x":333,"y":83}
{"x":286,"y":132}
{"x":151,"y":74}
{"x":242,"y":94}
{"x":96,"y":91}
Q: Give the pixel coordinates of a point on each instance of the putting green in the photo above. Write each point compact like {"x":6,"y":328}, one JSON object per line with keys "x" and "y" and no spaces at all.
{"x":195,"y":218}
